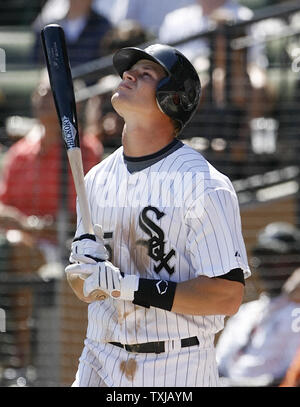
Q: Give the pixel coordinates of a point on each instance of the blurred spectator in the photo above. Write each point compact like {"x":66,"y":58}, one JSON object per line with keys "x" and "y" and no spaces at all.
{"x":198,"y":18}
{"x":234,"y":80}
{"x":84,"y":30}
{"x":127,"y":33}
{"x":149,"y":13}
{"x":57,"y":9}
{"x":106,"y":8}
{"x":233,"y":95}
{"x":100,"y":120}
{"x":30,"y":199}
{"x":29,"y":189}
{"x":259,"y":343}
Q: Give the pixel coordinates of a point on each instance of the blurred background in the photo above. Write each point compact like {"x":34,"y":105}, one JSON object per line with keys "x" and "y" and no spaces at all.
{"x":247,"y":54}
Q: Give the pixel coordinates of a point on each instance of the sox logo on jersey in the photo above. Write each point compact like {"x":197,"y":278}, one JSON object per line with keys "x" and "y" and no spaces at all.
{"x":156,"y":243}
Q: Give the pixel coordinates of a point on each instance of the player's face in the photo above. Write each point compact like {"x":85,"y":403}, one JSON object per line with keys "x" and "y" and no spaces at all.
{"x":136,"y":92}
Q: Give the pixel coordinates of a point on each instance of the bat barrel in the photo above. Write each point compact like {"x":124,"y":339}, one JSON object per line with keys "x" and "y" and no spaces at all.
{"x":55,"y":49}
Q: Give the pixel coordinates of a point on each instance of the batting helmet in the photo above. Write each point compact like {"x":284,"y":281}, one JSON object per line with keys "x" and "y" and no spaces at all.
{"x":276,"y":255}
{"x":178,"y":93}
{"x":279,"y":237}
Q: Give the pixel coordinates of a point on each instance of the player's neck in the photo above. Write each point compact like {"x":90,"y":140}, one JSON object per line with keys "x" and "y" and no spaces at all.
{"x":139,"y":141}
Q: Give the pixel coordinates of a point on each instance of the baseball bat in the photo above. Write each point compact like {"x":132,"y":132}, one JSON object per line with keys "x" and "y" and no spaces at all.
{"x":58,"y":66}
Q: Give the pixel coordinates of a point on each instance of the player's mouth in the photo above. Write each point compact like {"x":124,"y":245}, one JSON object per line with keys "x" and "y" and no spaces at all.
{"x":124,"y":85}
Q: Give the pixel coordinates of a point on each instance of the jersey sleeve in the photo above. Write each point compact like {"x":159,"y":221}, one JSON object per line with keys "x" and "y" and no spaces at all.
{"x":214,"y":241}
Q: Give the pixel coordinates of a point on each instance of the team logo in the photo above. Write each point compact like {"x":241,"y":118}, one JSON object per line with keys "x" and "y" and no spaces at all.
{"x":69,"y":132}
{"x":156,"y":242}
{"x":162,"y":286}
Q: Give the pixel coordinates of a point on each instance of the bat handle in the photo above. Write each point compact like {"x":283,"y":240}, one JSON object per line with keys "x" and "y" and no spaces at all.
{"x":75,"y":160}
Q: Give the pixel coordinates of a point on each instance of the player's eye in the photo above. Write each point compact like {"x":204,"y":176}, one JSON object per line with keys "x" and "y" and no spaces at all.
{"x":146,"y":74}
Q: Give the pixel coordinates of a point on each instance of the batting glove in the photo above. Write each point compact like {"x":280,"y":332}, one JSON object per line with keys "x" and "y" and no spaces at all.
{"x":89,"y":249}
{"x":106,"y":277}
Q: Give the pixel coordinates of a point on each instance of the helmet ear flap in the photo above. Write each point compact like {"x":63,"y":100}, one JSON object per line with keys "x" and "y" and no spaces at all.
{"x":167,"y":99}
{"x":176,"y":100}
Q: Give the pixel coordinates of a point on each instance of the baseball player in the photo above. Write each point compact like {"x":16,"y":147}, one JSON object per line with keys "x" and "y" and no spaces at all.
{"x":168,"y":261}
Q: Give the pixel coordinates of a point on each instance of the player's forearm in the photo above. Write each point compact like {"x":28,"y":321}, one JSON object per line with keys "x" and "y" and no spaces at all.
{"x":199,"y":296}
{"x":208,"y":296}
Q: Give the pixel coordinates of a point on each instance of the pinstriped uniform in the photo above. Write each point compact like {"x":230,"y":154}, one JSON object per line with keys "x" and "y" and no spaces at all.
{"x":166,"y":230}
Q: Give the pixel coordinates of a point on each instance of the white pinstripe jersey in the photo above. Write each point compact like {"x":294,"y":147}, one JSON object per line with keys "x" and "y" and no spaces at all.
{"x":160,"y":230}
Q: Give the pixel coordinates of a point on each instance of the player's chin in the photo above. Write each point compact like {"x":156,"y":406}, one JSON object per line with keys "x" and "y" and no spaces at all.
{"x":119,"y":102}
{"x":116,"y":99}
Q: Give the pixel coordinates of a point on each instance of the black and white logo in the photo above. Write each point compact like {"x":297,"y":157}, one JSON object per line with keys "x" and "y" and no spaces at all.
{"x":162,"y":286}
{"x":69,"y":132}
{"x":156,"y":242}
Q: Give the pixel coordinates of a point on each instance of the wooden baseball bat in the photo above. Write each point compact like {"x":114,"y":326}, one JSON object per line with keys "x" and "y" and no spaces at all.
{"x":58,"y":65}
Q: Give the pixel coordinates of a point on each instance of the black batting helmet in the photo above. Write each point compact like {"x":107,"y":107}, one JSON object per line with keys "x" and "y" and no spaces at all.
{"x":279,"y":237}
{"x":178,"y":93}
{"x":276,"y":254}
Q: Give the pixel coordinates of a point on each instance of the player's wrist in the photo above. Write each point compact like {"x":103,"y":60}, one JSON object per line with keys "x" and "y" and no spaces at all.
{"x":129,"y":285}
{"x":155,"y":293}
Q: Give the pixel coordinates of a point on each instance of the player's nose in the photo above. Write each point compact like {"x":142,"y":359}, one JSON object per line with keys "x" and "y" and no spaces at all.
{"x":130,"y":75}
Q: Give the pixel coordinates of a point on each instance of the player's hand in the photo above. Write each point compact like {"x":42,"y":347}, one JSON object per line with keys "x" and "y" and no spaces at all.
{"x":76,"y":283}
{"x":89,"y":249}
{"x":106,"y":277}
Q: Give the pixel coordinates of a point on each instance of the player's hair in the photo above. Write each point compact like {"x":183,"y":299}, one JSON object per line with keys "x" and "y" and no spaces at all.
{"x":177,"y":127}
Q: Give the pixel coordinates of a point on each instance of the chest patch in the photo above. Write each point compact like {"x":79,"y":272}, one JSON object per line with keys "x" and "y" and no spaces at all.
{"x":156,"y":242}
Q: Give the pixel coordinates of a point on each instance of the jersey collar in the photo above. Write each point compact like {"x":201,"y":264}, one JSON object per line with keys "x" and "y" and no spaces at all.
{"x":135,"y":164}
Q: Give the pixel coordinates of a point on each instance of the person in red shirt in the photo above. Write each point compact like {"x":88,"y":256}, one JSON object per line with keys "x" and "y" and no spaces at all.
{"x":30,"y":200}
{"x":31,"y":184}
